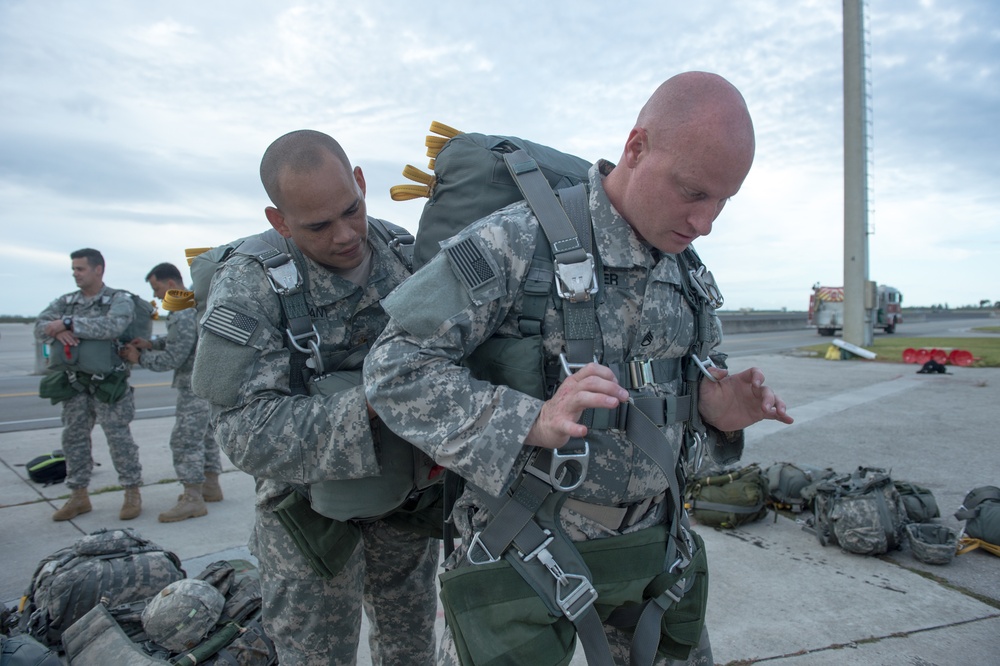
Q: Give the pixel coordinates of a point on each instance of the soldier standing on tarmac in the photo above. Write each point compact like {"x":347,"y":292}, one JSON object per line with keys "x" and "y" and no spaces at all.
{"x":192,"y":442}
{"x":688,"y":153}
{"x":94,"y":312}
{"x":290,"y":440}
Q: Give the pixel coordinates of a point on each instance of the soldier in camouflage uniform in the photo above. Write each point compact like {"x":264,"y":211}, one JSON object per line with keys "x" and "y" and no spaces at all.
{"x":291,"y":441}
{"x":94,"y":312}
{"x":192,"y":441}
{"x":689,"y":152}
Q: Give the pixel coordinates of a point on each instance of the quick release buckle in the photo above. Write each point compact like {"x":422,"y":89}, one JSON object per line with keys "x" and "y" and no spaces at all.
{"x":576,"y":282}
{"x":568,"y":367}
{"x":704,"y":283}
{"x":574,"y":593}
{"x":282,"y":274}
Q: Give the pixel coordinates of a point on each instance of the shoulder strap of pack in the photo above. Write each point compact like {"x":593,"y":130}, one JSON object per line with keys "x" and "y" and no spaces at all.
{"x":273,"y":252}
{"x":398,"y":239}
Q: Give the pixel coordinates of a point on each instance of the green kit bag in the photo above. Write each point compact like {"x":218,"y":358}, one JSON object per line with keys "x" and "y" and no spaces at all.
{"x":497,"y":618}
{"x":728,"y":498}
{"x":326,"y":543}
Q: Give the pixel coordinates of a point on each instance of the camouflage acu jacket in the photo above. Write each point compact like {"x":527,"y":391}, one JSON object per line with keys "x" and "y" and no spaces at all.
{"x":243,"y":370}
{"x":416,"y":382}
{"x":176,"y":351}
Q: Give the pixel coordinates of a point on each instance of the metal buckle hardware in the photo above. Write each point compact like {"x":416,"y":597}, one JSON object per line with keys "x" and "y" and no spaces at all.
{"x":576,"y":282}
{"x":562,"y":465}
{"x":704,"y":283}
{"x":569,"y":368}
{"x":311,"y":340}
{"x":640,"y":373}
{"x":704,"y":365}
{"x":477,"y":544}
{"x":284,"y":277}
{"x":574,"y":593}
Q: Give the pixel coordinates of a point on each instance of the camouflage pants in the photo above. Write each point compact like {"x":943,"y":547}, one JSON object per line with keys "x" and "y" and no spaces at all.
{"x":192,"y":441}
{"x":79,"y":414}
{"x":315,"y":621}
{"x":619,"y":642}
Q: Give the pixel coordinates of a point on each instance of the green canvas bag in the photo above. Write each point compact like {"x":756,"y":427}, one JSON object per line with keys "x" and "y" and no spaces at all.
{"x":728,"y":498}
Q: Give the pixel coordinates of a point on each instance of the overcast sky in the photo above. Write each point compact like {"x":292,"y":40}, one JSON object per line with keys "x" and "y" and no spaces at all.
{"x":137,"y":128}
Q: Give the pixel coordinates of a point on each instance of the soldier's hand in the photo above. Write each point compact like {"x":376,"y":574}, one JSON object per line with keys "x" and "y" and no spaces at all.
{"x":129,"y":353}
{"x":737,"y":401}
{"x":141,"y":343}
{"x":67,"y":338}
{"x":591,"y":387}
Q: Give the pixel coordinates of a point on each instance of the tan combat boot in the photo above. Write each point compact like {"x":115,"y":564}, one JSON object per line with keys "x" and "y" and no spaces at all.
{"x":78,"y":502}
{"x":211,"y":491}
{"x":132,"y":506}
{"x":190,"y":504}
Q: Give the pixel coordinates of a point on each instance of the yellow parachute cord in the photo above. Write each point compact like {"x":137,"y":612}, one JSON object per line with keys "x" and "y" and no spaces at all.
{"x":965,"y":544}
{"x":192,"y":252}
{"x":426,"y":181}
{"x":178,"y":299}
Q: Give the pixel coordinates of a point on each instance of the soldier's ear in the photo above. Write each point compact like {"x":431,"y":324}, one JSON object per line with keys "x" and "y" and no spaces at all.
{"x":277,"y":220}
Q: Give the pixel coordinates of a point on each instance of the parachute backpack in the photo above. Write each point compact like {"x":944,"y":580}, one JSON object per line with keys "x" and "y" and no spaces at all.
{"x":475,"y":175}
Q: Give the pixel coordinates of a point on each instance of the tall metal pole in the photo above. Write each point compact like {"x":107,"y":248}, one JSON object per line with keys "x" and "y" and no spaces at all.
{"x":858,"y":327}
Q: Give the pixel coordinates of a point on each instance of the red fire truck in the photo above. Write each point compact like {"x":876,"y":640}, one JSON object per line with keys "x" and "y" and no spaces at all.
{"x":826,"y":309}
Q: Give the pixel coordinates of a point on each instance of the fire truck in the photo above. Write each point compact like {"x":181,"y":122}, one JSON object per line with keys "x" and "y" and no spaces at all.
{"x":826,"y":308}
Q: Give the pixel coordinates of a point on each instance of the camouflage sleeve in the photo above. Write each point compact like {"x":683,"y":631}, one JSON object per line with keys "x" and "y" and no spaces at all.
{"x":172,"y":352}
{"x":110,"y":326}
{"x":414,"y":376}
{"x":242,"y":366}
{"x":51,"y":313}
{"x":726,"y":447}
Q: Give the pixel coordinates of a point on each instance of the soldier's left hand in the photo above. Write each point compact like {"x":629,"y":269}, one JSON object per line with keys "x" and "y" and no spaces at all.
{"x":737,"y":401}
{"x":129,"y":353}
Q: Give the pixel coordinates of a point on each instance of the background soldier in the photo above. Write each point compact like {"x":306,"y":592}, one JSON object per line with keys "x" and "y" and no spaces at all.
{"x":290,"y":440}
{"x":192,"y":443}
{"x":689,"y":152}
{"x":94,"y":312}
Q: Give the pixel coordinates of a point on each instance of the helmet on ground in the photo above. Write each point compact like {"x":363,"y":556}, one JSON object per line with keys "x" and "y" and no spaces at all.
{"x":182,"y":614}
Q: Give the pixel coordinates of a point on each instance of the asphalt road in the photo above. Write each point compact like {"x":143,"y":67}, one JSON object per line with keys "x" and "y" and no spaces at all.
{"x":21,"y":408}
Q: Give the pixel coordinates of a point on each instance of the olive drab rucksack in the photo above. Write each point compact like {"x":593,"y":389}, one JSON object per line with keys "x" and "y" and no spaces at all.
{"x":981,"y":512}
{"x":475,"y":175}
{"x":728,"y":498}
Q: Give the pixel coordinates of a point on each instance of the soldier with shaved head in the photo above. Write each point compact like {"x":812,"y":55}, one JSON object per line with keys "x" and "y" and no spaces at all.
{"x":544,"y":535}
{"x":276,"y":421}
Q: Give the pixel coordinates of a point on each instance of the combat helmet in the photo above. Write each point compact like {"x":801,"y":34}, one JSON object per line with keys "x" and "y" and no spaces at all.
{"x":182,"y":614}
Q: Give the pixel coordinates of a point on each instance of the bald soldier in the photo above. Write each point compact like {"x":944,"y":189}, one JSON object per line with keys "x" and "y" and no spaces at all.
{"x":584,"y":482}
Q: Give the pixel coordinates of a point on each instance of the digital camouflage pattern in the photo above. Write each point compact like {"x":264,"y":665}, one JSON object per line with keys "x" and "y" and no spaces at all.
{"x":862,"y":513}
{"x":192,"y":442}
{"x":286,"y":441}
{"x":180,"y":615}
{"x":416,"y":383}
{"x":105,"y":316}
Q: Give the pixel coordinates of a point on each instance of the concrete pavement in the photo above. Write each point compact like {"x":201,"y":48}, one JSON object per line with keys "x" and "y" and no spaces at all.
{"x":776,"y":594}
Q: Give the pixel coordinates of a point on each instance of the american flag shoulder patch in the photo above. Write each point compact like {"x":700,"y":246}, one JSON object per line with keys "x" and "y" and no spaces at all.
{"x":470,"y":264}
{"x":230,"y":324}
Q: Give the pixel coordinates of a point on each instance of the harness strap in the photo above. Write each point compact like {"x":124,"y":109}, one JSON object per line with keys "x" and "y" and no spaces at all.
{"x":564,"y":585}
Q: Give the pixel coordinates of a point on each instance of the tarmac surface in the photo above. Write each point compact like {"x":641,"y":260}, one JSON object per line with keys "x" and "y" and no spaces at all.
{"x":777,"y":595}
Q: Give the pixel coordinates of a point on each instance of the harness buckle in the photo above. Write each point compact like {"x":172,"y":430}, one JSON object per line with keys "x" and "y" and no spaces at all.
{"x":569,"y":368}
{"x":704,"y":283}
{"x":705,"y":365}
{"x":640,"y":373}
{"x":574,"y":593}
{"x":284,"y":276}
{"x":576,"y":282}
{"x":562,"y":466}
{"x":477,"y":544}
{"x":308,"y":343}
